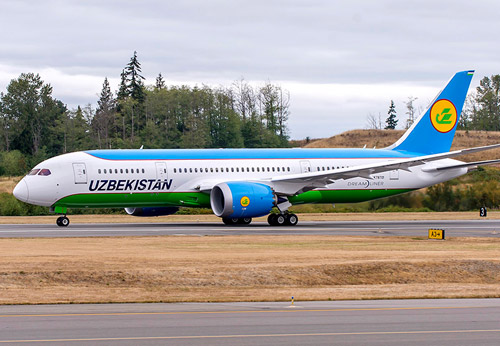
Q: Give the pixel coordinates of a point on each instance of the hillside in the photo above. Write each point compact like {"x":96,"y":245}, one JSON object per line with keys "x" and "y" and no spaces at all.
{"x":384,"y":138}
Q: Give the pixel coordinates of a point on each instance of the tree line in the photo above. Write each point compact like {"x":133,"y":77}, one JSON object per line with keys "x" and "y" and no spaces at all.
{"x":35,"y":126}
{"x":481,"y":109}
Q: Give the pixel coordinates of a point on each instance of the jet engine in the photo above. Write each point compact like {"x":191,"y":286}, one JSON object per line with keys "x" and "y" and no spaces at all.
{"x":242,"y":199}
{"x":151,"y":211}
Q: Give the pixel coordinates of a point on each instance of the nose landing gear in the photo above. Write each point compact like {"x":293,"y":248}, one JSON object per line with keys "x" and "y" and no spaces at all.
{"x":62,"y":221}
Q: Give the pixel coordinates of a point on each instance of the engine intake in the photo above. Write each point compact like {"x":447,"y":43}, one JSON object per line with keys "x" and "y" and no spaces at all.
{"x":242,"y":199}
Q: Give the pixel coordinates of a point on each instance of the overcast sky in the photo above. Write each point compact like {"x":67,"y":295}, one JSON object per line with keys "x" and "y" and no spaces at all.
{"x":340,"y":60}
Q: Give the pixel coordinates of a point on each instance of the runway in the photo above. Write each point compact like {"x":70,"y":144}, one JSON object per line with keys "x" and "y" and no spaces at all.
{"x":392,"y":322}
{"x":453,"y":228}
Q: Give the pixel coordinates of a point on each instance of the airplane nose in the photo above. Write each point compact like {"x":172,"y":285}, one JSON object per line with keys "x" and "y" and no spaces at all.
{"x":21,"y":191}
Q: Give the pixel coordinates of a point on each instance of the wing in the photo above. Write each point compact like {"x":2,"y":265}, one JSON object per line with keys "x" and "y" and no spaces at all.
{"x":298,"y":183}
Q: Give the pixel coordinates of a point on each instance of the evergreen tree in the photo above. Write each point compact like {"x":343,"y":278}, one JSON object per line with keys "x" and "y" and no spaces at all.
{"x":486,"y":113}
{"x":122,"y":89}
{"x":160,"y":83}
{"x":135,"y":86}
{"x":391,"y":120}
{"x":102,"y":122}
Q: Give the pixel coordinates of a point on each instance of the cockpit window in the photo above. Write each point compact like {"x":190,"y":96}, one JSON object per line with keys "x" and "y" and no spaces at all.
{"x":44,"y":171}
{"x":34,"y":171}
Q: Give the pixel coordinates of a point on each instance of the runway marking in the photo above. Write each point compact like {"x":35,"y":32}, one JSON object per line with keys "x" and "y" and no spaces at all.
{"x":255,"y":336}
{"x":238,"y":311}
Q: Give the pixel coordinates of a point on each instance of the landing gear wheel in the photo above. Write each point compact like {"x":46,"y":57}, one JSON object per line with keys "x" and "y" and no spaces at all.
{"x":62,"y":221}
{"x":280,"y":220}
{"x":230,"y":220}
{"x":271,"y":219}
{"x":291,"y":219}
{"x":245,"y":220}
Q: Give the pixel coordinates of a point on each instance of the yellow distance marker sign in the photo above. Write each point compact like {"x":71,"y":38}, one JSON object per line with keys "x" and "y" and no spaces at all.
{"x":436,"y":234}
{"x":244,"y":201}
{"x":443,"y":115}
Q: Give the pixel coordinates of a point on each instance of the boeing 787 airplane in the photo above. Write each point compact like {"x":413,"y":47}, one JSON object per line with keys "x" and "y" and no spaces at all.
{"x":240,"y":184}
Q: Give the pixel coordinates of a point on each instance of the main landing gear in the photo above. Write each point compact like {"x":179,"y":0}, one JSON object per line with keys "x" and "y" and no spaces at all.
{"x":237,"y":221}
{"x":62,"y":221}
{"x":285,"y":219}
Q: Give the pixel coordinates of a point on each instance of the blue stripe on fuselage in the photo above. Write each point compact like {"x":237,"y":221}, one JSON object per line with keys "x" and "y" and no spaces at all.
{"x":249,"y":154}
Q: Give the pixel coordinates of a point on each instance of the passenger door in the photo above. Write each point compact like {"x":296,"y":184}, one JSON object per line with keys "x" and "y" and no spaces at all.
{"x":305,"y":166}
{"x":80,"y":173}
{"x":161,"y":171}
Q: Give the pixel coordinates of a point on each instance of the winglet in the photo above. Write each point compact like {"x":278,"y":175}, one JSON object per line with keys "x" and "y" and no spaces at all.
{"x":434,"y":130}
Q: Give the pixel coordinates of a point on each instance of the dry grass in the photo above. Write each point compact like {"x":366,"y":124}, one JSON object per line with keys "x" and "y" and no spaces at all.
{"x":384,"y":138}
{"x":243,"y":268}
{"x":7,"y":184}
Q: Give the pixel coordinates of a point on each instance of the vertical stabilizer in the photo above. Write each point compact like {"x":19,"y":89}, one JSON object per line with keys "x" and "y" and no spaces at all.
{"x":434,"y":130}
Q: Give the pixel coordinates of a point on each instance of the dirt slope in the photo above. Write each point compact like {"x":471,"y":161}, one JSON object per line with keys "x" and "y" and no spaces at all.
{"x":383,"y":138}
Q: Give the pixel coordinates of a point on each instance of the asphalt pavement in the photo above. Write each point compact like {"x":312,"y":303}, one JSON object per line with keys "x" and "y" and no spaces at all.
{"x":446,"y":322}
{"x":453,"y":228}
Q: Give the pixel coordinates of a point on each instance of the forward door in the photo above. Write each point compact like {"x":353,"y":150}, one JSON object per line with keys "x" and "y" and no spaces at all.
{"x":80,"y":173}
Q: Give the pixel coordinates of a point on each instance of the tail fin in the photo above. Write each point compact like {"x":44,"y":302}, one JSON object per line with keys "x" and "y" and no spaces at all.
{"x":434,"y":130}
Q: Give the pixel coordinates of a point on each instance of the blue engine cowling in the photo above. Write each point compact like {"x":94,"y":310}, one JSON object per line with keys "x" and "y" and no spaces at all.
{"x":151,"y":211}
{"x":242,"y":199}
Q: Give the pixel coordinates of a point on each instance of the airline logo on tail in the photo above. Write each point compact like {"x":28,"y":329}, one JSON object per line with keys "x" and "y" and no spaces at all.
{"x":443,"y":115}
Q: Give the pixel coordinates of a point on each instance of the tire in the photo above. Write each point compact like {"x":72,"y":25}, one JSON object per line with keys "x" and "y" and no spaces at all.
{"x":280,"y":219}
{"x":63,"y":221}
{"x":245,"y":220}
{"x":291,"y":219}
{"x":271,"y":219}
{"x":58,"y":221}
{"x":230,"y":221}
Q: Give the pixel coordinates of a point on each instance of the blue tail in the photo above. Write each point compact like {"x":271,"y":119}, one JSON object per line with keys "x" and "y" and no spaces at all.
{"x":434,"y":130}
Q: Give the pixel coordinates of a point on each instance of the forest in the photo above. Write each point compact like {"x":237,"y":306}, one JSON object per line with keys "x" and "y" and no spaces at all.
{"x":35,"y":126}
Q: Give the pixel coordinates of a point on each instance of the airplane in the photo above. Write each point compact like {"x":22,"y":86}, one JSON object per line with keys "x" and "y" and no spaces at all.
{"x":241,"y":184}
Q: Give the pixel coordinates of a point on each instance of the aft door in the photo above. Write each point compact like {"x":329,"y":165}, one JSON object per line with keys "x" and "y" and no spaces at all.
{"x":305,"y":166}
{"x":161,"y":171}
{"x":80,"y":173}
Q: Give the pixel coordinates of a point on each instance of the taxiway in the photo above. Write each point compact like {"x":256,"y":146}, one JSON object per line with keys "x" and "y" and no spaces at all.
{"x":393,"y":322}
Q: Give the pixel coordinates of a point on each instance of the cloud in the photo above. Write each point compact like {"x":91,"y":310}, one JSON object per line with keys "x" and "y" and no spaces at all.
{"x":317,"y":44}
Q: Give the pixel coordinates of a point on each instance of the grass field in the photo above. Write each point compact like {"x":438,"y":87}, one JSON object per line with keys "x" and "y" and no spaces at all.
{"x":245,"y":268}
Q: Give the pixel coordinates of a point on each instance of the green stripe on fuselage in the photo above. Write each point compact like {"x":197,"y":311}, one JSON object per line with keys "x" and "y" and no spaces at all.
{"x":200,"y":199}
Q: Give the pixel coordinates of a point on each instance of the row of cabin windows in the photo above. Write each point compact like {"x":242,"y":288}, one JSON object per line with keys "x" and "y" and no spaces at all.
{"x":330,"y":168}
{"x":120,"y":170}
{"x":232,"y":169}
{"x":212,"y":170}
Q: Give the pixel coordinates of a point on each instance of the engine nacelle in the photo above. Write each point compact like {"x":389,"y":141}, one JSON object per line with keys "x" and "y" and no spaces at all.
{"x":242,"y":199}
{"x":151,"y":211}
